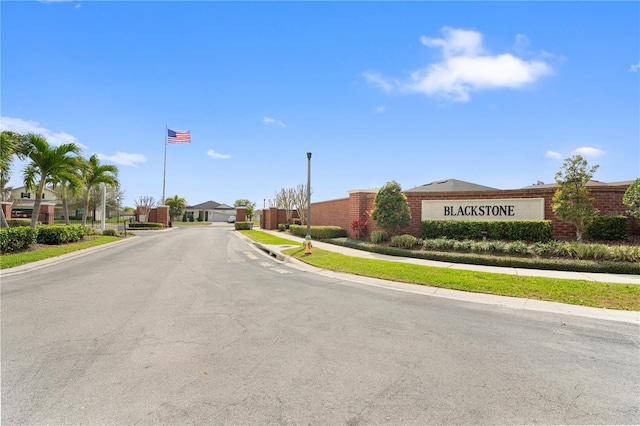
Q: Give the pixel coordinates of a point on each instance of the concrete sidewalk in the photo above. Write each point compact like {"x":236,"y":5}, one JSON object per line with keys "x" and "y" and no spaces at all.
{"x":511,"y":302}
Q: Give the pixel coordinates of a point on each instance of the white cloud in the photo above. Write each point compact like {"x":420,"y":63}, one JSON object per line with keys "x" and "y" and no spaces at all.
{"x":380,"y":109}
{"x":268,"y":120}
{"x":635,"y":67}
{"x":587,"y":151}
{"x":466,"y":67}
{"x":554,"y":155}
{"x":376,"y":79}
{"x":21,"y":126}
{"x":211,"y":153}
{"x":124,"y":158}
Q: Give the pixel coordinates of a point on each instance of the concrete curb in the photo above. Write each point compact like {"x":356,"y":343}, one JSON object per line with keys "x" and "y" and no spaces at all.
{"x":631,"y":317}
{"x":59,"y":259}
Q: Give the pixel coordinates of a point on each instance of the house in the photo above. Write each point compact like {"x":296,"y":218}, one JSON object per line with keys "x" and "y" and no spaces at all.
{"x":24,"y":200}
{"x":210,"y":211}
{"x":51,"y":205}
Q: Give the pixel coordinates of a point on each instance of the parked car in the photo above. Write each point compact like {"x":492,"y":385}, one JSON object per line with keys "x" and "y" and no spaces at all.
{"x":231,"y":219}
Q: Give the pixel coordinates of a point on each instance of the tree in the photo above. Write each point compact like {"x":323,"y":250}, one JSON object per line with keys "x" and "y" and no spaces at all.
{"x":93,"y":173}
{"x":285,"y":199}
{"x":68,"y":183}
{"x":571,"y":202}
{"x":391,"y":210}
{"x":248,"y":205}
{"x":46,"y":164}
{"x":249,"y":212}
{"x":9,"y":144}
{"x":301,"y":201}
{"x":145,"y":203}
{"x":176,"y":206}
{"x":631,"y":198}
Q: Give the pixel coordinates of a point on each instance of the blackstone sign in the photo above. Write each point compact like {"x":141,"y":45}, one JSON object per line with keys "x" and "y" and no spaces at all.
{"x":491,"y":209}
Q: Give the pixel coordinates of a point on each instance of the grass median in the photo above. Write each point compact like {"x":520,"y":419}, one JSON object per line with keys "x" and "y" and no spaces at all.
{"x":46,"y":252}
{"x":575,"y":292}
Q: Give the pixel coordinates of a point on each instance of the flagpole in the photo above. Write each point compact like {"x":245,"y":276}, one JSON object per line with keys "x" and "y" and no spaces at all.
{"x":164,"y":173}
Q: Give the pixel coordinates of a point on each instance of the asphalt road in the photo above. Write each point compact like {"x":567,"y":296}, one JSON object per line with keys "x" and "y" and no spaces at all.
{"x":195,"y":326}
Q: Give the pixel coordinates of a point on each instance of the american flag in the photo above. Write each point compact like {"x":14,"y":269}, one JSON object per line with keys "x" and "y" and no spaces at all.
{"x":178,"y":137}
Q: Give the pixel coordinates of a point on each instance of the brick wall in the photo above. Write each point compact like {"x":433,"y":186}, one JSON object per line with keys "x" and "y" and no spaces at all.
{"x":331,"y":213}
{"x":341,"y":212}
{"x":608,"y":199}
{"x":7,"y":208}
{"x":159,"y":214}
{"x":272,"y":217}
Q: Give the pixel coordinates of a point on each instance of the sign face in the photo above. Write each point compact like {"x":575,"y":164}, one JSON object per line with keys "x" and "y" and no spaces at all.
{"x":491,"y":209}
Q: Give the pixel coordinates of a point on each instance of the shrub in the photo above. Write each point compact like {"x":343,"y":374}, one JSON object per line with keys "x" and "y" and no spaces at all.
{"x":514,"y":230}
{"x":14,"y":223}
{"x":625,"y":253}
{"x":145,"y":225}
{"x":379,"y":236}
{"x":243,"y":226}
{"x":19,"y":238}
{"x":61,"y":234}
{"x":283,"y":227}
{"x":391,"y":211}
{"x":608,"y":228}
{"x":110,"y":232}
{"x":319,"y":232}
{"x":405,"y":241}
{"x":517,"y":247}
{"x":359,"y":227}
{"x":547,"y":249}
{"x":464,"y":245}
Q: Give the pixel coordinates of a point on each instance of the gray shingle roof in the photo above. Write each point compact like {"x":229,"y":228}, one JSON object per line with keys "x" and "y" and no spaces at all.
{"x":450,"y":185}
{"x":207,"y":205}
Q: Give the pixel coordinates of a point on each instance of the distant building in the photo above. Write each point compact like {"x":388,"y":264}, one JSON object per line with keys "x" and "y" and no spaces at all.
{"x":210,"y":211}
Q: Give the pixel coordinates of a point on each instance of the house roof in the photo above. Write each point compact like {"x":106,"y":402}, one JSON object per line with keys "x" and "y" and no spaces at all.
{"x":209,"y":205}
{"x":450,"y":185}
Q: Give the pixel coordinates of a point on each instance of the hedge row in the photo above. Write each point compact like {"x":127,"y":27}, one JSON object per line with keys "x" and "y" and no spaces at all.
{"x":504,"y":261}
{"x":22,"y":237}
{"x":145,"y":225}
{"x":61,"y":234}
{"x":608,"y":228}
{"x":318,"y":232}
{"x":512,"y":230}
{"x":14,"y":223}
{"x":243,"y":226}
{"x":14,"y":239}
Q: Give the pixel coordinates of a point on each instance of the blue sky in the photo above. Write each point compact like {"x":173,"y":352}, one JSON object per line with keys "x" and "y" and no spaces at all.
{"x":495,"y":93}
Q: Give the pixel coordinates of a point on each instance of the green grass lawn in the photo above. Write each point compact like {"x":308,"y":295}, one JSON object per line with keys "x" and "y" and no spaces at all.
{"x":267,"y":238}
{"x":17,"y":259}
{"x":575,"y":292}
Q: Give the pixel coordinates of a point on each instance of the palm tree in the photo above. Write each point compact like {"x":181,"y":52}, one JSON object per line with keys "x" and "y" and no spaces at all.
{"x":46,"y":164}
{"x":176,"y":206}
{"x":9,"y":143}
{"x":70,"y":183}
{"x":93,"y":174}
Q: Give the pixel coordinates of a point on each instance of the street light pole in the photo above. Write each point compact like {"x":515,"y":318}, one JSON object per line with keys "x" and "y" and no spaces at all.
{"x":309,"y":195}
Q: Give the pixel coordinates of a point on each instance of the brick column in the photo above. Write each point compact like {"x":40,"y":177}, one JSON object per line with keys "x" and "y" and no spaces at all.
{"x":6,"y":208}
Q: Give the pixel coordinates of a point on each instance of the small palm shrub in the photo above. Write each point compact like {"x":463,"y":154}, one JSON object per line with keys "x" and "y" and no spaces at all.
{"x":110,"y":232}
{"x":379,"y":237}
{"x":403,"y":241}
{"x":517,"y":247}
